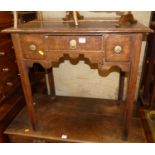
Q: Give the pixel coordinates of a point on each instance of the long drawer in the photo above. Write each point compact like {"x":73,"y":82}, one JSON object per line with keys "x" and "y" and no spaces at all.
{"x":92,"y":43}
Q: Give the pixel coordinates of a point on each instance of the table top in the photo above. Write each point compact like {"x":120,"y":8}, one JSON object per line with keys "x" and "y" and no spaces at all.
{"x":87,"y":25}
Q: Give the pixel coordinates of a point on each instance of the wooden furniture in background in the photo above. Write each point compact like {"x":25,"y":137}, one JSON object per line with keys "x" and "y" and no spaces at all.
{"x":125,"y":18}
{"x":101,"y":42}
{"x":11,"y":96}
{"x":11,"y":99}
{"x":147,"y":88}
{"x":73,"y":15}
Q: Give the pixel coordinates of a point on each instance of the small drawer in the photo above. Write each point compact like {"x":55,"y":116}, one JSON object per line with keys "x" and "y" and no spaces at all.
{"x":32,"y":46}
{"x":118,"y":48}
{"x":73,"y":43}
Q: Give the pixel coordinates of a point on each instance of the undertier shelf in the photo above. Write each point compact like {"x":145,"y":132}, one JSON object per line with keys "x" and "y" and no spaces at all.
{"x":73,"y":119}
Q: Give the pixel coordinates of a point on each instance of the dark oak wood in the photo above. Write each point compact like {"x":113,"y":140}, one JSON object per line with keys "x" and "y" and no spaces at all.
{"x":147,"y":87}
{"x":6,"y":17}
{"x":150,"y":71}
{"x":100,"y":42}
{"x":11,"y":101}
{"x":9,"y":108}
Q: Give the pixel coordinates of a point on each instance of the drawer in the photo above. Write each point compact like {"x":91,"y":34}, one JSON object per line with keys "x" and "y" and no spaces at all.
{"x":6,"y":51}
{"x":73,"y":42}
{"x":32,"y":46}
{"x":11,"y":84}
{"x":8,"y":68}
{"x":118,"y":47}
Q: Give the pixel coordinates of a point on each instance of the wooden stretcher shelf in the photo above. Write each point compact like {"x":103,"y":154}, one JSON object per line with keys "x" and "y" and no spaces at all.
{"x":80,"y":119}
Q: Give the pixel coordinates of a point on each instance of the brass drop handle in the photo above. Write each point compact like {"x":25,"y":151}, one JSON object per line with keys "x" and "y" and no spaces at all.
{"x":117,"y":49}
{"x":32,"y":47}
{"x":41,"y":52}
{"x":5,"y":69}
{"x":9,"y":84}
{"x":72,"y":44}
{"x":2,"y":53}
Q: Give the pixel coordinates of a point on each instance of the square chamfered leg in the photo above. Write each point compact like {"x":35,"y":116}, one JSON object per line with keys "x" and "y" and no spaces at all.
{"x":132,"y":80}
{"x":49,"y":78}
{"x":25,"y":81}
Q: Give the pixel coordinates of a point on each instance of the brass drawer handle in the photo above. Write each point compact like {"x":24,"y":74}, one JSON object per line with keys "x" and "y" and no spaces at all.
{"x":72,"y":44}
{"x":2,"y":53}
{"x":9,"y":84}
{"x":117,"y":49}
{"x":5,"y":69}
{"x":32,"y":47}
{"x":41,"y":52}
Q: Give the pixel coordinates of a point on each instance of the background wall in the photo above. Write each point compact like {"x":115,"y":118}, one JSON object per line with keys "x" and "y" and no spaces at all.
{"x":80,"y":80}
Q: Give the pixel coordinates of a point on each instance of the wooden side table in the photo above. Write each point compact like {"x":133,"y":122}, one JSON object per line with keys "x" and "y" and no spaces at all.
{"x":101,"y":42}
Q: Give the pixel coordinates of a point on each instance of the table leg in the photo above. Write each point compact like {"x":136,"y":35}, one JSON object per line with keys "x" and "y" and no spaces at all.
{"x":25,"y":81}
{"x":121,"y":86}
{"x":28,"y":94}
{"x":132,"y":80}
{"x":49,"y":78}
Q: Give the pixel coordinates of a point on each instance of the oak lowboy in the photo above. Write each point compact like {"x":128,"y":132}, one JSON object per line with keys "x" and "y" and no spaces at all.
{"x":101,"y":42}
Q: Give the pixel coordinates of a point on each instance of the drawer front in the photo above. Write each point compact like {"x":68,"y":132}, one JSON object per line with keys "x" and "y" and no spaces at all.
{"x":8,"y":68}
{"x":32,"y":46}
{"x":118,"y":48}
{"x":11,"y":84}
{"x":73,"y":42}
{"x":6,"y":51}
